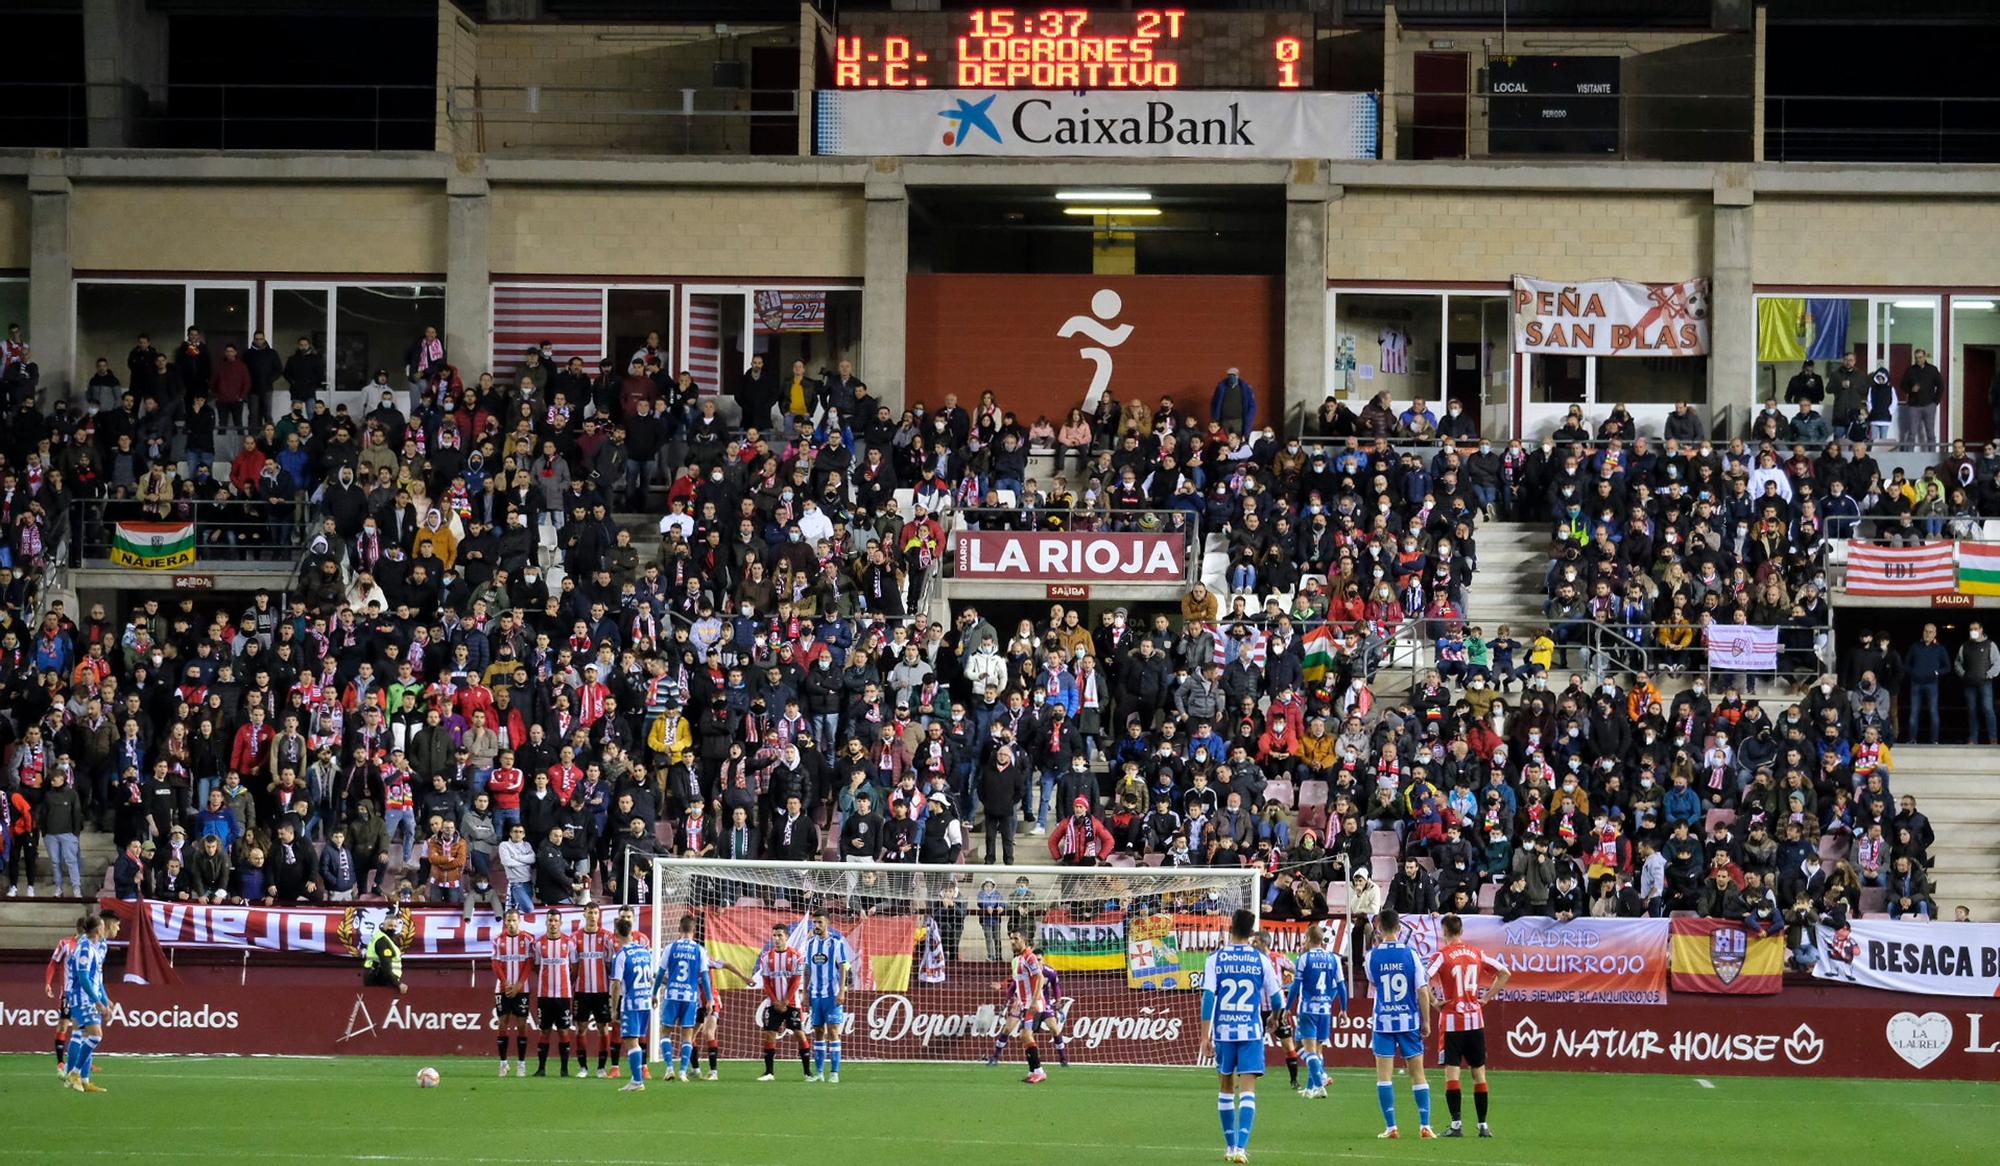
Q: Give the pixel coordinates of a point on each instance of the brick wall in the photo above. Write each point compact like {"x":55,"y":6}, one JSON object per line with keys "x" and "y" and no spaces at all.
{"x":633,"y":231}
{"x":217,"y":227}
{"x":458,"y":64}
{"x":1472,"y":235}
{"x":1877,"y":241}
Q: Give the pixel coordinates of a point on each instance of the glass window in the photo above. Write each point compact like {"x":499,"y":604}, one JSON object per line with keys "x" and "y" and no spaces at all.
{"x":14,"y":305}
{"x":1774,"y":375}
{"x":374,"y":326}
{"x":223,"y":315}
{"x":110,"y":315}
{"x":1558,"y":380}
{"x":1388,"y":343}
{"x":1652,"y":380}
{"x":1975,"y":365}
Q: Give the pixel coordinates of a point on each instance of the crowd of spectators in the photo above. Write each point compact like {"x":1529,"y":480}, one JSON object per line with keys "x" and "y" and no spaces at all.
{"x":480,"y":682}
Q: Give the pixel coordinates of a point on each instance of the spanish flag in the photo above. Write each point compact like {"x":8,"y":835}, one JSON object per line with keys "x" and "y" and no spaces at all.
{"x":1722,"y":956}
{"x":883,"y":945}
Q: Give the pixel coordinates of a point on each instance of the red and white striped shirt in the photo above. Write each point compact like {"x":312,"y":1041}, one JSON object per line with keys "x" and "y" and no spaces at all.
{"x":58,"y":975}
{"x":1455,"y":969}
{"x":511,"y":954}
{"x":592,"y":950}
{"x":552,"y":962}
{"x":782,"y":972}
{"x":1026,"y":993}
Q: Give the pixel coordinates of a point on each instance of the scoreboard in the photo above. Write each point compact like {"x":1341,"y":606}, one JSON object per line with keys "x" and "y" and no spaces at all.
{"x":1074,"y":49}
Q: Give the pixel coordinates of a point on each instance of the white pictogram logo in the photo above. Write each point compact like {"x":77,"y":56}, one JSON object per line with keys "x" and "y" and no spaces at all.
{"x":1105,"y":305}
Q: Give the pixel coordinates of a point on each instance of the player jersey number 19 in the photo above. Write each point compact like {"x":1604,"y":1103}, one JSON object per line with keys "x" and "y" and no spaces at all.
{"x":1395,"y":986}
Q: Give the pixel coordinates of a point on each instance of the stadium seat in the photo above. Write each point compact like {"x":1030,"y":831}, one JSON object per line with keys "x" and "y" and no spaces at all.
{"x":1313,"y":818}
{"x":1680,"y":914}
{"x":1124,"y":861}
{"x":1008,"y":497}
{"x":1155,"y":860}
{"x":1312,"y":793}
{"x":1487,"y":894}
{"x":1874,"y":900}
{"x":1280,"y":792}
{"x":1336,"y":896}
{"x":1833,"y":848}
{"x":1718,"y":818}
{"x":1382,"y":842}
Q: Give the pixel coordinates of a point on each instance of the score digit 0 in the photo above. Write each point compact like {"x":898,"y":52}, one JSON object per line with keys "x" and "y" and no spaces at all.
{"x":1288,"y":51}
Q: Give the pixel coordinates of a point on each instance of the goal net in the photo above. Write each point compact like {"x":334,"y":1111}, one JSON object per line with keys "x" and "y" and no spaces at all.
{"x":932,"y":953}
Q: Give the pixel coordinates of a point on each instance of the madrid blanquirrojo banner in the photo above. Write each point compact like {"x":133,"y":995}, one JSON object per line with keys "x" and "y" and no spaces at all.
{"x":1098,"y":123}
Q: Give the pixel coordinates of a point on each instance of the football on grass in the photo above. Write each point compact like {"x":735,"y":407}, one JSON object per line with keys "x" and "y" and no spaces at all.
{"x":427,"y":1078}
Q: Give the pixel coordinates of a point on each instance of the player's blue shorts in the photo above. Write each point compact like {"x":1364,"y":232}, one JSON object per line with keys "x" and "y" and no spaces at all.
{"x":826,"y":1012}
{"x":1314,"y":1027}
{"x":633,"y":1027}
{"x":84,"y":1013}
{"x":679,"y":1013}
{"x":1239,"y":1056}
{"x":1408,"y":1045}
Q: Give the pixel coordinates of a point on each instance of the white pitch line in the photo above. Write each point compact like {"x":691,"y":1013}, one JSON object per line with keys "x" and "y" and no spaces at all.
{"x":1704,"y":1082}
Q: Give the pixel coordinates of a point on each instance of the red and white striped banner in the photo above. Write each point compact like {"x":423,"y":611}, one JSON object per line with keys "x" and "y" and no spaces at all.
{"x":1923,"y":570}
{"x":704,"y":347}
{"x":571,"y":318}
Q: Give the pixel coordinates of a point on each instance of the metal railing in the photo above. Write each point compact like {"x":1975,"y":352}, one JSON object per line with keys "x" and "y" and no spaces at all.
{"x":683,"y":120}
{"x":225,"y":530}
{"x":1629,"y":648}
{"x":219,"y":115}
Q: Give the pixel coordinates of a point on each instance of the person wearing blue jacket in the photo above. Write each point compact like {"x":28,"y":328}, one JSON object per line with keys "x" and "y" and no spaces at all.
{"x":1683,"y":804}
{"x":1234,"y":403}
{"x":1928,"y":663}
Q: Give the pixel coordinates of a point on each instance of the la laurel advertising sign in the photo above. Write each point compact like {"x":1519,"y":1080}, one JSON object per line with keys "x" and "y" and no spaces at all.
{"x":324,"y":1011}
{"x":1080,"y":556}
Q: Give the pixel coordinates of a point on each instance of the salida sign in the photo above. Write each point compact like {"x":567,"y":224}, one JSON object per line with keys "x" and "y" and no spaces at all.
{"x":1071,"y":555}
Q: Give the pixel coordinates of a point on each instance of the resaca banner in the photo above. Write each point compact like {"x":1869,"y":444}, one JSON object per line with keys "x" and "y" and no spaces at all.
{"x":1610,"y":317}
{"x":1098,"y":123}
{"x":1935,"y":959}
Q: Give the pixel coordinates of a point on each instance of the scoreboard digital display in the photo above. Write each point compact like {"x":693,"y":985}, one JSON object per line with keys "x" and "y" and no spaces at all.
{"x":1073,"y":48}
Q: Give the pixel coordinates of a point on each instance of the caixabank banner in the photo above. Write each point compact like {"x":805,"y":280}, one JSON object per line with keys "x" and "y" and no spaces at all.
{"x":1805,"y":1032}
{"x":1046,"y":344}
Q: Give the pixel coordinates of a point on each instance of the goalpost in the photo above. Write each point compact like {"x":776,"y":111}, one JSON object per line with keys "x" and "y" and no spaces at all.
{"x":932,"y":952}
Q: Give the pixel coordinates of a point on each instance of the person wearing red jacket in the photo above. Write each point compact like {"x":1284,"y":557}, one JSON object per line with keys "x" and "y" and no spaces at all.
{"x":1080,"y":839}
{"x":505,"y":785}
{"x":251,"y":749}
{"x":231,"y":386}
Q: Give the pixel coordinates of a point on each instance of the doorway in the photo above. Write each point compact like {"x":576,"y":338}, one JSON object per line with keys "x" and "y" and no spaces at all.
{"x":1438,"y":110}
{"x":1976,"y":366}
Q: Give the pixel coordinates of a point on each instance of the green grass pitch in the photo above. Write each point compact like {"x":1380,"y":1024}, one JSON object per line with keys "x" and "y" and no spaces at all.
{"x":176,"y":1111}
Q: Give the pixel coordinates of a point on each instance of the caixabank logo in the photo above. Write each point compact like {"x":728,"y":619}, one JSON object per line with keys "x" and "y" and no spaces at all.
{"x":1038,"y":122}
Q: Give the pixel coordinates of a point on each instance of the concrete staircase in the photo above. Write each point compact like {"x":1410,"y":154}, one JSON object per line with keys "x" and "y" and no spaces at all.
{"x":1508,"y":587}
{"x":1957,"y":787}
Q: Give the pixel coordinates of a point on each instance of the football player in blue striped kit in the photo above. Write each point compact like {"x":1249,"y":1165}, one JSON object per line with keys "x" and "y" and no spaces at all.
{"x":1239,"y":985}
{"x":829,"y":965}
{"x":1318,"y":986}
{"x":1403,"y":1005}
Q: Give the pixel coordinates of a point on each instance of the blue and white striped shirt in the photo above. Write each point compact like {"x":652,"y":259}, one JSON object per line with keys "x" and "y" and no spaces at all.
{"x":825,"y":959}
{"x":683,"y":969}
{"x":1316,"y":981}
{"x":86,"y":971}
{"x":632,"y":968}
{"x":1239,"y":984}
{"x":1394,"y":975}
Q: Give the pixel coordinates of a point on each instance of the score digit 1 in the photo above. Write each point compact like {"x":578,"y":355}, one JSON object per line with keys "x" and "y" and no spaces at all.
{"x":1288,"y":50}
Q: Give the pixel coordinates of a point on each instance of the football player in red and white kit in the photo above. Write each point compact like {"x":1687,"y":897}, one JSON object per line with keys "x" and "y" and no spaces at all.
{"x":783,"y":970}
{"x":55,"y":985}
{"x":1455,"y":970}
{"x":1280,"y":1023}
{"x":592,"y":945}
{"x":1027,"y":1003}
{"x":512,"y":951}
{"x":555,"y":953}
